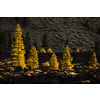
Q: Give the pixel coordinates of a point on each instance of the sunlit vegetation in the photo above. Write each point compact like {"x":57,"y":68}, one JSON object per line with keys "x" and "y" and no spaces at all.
{"x":43,"y":50}
{"x":54,"y":64}
{"x":67,"y":59}
{"x":18,"y":49}
{"x":26,"y":54}
{"x":49,"y":50}
{"x":46,"y":64}
{"x":32,"y":60}
{"x":77,"y":50}
{"x":18,"y":52}
{"x":93,"y":61}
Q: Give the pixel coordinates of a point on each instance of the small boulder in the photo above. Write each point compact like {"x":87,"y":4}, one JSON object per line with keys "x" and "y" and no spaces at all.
{"x":2,"y":70}
{"x":1,"y":63}
{"x":10,"y":69}
{"x":22,"y":73}
{"x":29,"y":72}
{"x":36,"y":73}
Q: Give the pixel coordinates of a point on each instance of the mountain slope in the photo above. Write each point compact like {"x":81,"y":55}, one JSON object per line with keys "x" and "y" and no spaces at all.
{"x":58,"y":29}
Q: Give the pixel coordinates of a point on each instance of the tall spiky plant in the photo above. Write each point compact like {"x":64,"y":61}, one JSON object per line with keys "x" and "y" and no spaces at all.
{"x":18,"y":49}
{"x":49,"y":50}
{"x":54,"y":64}
{"x":93,"y":61}
{"x":77,"y":50}
{"x":43,"y":50}
{"x":32,"y":60}
{"x":67,"y":59}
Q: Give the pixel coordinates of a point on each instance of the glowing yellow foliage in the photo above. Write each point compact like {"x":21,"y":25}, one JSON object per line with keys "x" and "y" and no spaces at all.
{"x":43,"y":50}
{"x":93,"y":61}
{"x":18,"y":49}
{"x":67,"y":59}
{"x":49,"y":50}
{"x":46,"y":64}
{"x":77,"y":50}
{"x":32,"y":60}
{"x":67,"y":49}
{"x":54,"y":64}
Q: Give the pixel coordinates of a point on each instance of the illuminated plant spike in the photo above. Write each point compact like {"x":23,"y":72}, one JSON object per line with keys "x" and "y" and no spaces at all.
{"x":54,"y":64}
{"x":67,"y":59}
{"x":32,"y":60}
{"x":43,"y":50}
{"x":93,"y":61}
{"x":67,"y":49}
{"x":77,"y":50}
{"x":18,"y":49}
{"x":49,"y":50}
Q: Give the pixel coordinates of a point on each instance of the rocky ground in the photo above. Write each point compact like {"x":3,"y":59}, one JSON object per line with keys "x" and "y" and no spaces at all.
{"x":58,"y":29}
{"x":81,"y":74}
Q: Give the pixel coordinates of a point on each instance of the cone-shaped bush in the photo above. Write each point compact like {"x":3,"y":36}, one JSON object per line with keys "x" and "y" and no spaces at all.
{"x":49,"y":50}
{"x":54,"y":64}
{"x":43,"y":50}
{"x":67,"y":59}
{"x":18,"y":49}
{"x":32,"y":60}
{"x":77,"y":50}
{"x":93,"y":61}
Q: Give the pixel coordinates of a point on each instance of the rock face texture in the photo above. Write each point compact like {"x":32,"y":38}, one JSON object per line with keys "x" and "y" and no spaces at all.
{"x":58,"y":29}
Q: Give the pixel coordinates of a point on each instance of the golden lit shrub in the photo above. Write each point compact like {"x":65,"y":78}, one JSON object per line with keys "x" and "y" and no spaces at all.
{"x":46,"y":64}
{"x":54,"y":64}
{"x":18,"y":49}
{"x":49,"y":50}
{"x":43,"y":50}
{"x":32,"y":60}
{"x":93,"y":61}
{"x":67,"y":59}
{"x":77,"y":50}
